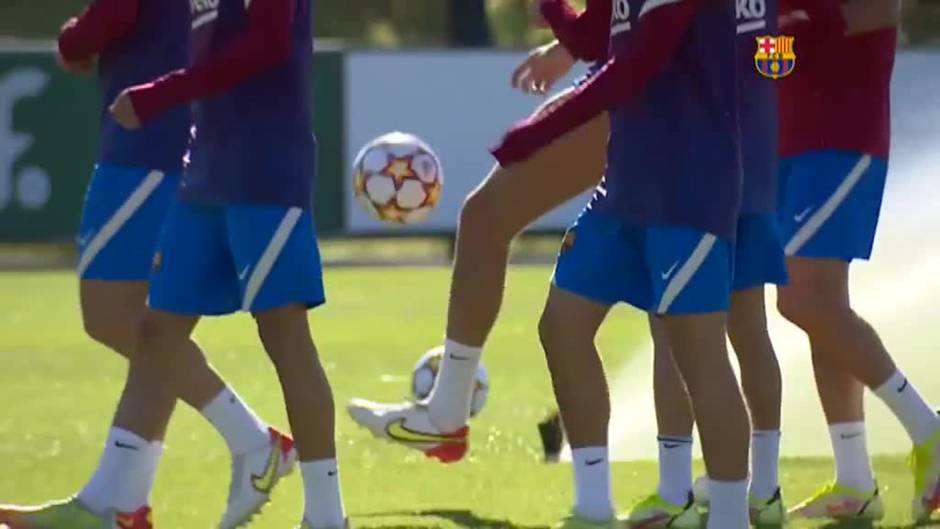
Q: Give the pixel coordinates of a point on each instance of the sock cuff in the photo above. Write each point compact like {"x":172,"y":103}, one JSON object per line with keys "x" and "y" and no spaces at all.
{"x":589,"y":452}
{"x":222,"y":398}
{"x":674,"y":439}
{"x":127,"y":437}
{"x":896,"y":383}
{"x":451,"y":346}
{"x":765,"y":434}
{"x":839,"y":428}
{"x":320,"y":465}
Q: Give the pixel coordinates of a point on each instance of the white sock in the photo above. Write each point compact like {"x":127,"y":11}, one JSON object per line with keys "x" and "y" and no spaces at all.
{"x":918,"y":418}
{"x":125,"y":474}
{"x":765,"y":463}
{"x":323,"y":505}
{"x":242,"y":430}
{"x":675,"y":469}
{"x":449,"y":404}
{"x":728,"y":506}
{"x":853,"y":468}
{"x":592,"y":483}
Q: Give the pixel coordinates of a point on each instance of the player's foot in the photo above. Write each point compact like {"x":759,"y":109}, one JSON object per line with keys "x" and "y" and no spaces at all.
{"x":654,"y":512}
{"x":768,"y":512}
{"x":254,"y":476}
{"x":841,"y":503}
{"x":925,"y":464}
{"x":305,"y":525}
{"x":576,"y":522}
{"x":409,"y":424}
{"x":71,"y":514}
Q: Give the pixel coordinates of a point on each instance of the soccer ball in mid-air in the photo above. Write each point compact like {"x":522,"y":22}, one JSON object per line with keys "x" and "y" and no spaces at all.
{"x":398,"y":178}
{"x":425,"y":373}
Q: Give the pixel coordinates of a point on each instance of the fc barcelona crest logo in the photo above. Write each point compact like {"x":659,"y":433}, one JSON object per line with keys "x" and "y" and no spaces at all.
{"x":775,"y":57}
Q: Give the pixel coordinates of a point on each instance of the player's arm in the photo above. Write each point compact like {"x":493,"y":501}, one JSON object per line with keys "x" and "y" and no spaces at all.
{"x":654,"y":42}
{"x":582,"y":34}
{"x":265,"y":43}
{"x":103,"y":24}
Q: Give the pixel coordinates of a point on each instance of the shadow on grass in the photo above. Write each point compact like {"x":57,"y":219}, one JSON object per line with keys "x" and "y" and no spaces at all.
{"x":461,"y":517}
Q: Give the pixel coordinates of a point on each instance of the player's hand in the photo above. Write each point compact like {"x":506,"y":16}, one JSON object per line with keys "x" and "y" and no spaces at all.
{"x":123,"y":111}
{"x":86,"y":67}
{"x":543,"y":68}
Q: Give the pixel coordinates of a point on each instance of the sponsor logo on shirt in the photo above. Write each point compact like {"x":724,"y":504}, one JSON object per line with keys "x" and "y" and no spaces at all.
{"x":204,"y":11}
{"x":751,"y":15}
{"x":620,"y":22}
{"x":775,"y":57}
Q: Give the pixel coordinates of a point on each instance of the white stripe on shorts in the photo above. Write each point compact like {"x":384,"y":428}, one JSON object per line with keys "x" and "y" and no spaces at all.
{"x":684,"y":275}
{"x":119,"y":219}
{"x":816,"y":221}
{"x":270,"y":255}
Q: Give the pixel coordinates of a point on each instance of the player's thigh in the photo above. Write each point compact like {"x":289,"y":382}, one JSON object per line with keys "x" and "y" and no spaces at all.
{"x":599,"y":263}
{"x":690,"y":271}
{"x":194,"y":271}
{"x":516,"y":195}
{"x":831,"y":203}
{"x":111,"y":310}
{"x":570,"y":319}
{"x":276,"y":254}
{"x":122,"y":216}
{"x":285,"y":332}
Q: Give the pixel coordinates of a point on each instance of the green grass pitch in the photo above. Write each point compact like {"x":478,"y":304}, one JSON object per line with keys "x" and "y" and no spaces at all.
{"x":58,"y":390}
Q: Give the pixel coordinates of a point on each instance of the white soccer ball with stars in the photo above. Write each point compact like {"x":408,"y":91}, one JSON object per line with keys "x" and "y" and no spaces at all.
{"x":398,"y":178}
{"x":425,"y":374}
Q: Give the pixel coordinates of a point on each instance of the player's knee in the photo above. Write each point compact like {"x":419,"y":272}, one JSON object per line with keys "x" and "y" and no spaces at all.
{"x":557,"y":335}
{"x":476,"y":207}
{"x":548,"y":332}
{"x":808,"y":310}
{"x":285,"y":334}
{"x":115,"y":335}
{"x":480,"y":217}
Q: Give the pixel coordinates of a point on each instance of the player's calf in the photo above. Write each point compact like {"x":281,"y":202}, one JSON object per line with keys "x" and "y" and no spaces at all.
{"x":285,"y":333}
{"x":567,"y":329}
{"x":761,"y":379}
{"x":698,"y":345}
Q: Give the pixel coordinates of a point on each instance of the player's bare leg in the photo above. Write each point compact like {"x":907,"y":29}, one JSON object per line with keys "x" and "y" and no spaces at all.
{"x":701,"y":355}
{"x":761,"y":382}
{"x":844,"y":344}
{"x":670,"y":505}
{"x":124,"y":477}
{"x":507,"y":201}
{"x":111,"y":311}
{"x":285,"y":333}
{"x":567,"y":329}
{"x":150,"y":391}
{"x":760,"y":371}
